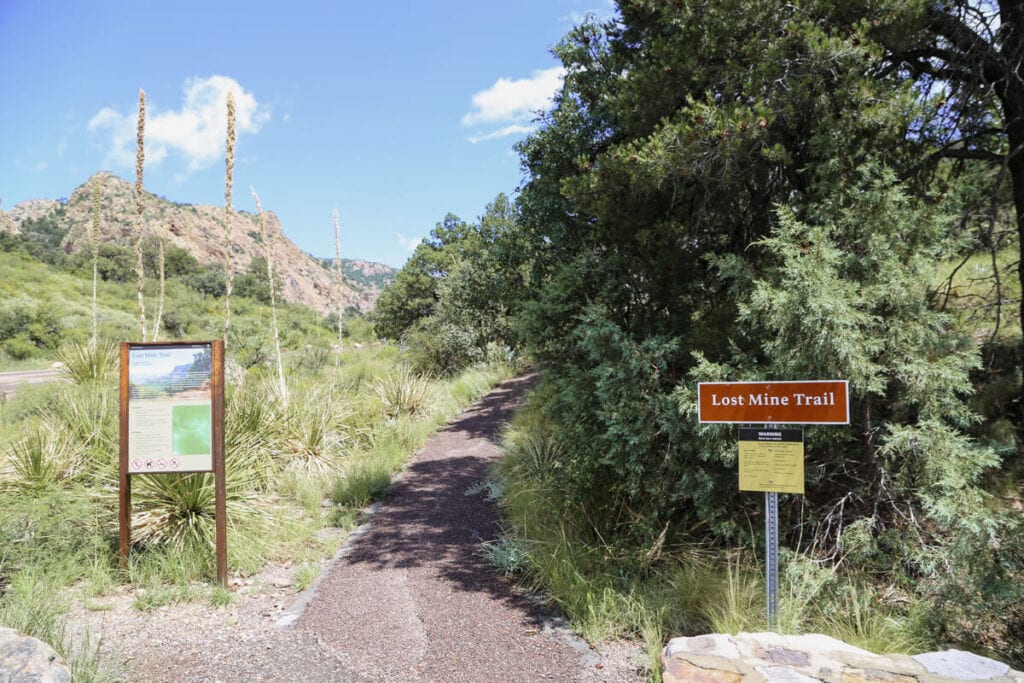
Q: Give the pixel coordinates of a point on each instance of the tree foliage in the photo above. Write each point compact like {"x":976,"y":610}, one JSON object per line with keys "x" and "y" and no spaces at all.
{"x":733,"y":191}
{"x":455,"y":297}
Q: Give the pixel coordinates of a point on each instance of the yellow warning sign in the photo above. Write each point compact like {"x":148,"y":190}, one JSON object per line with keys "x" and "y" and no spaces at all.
{"x":772,"y":460}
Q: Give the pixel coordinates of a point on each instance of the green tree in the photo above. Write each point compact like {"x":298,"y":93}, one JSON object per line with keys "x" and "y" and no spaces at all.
{"x":413,"y":294}
{"x":664,"y":186}
{"x":965,"y":59}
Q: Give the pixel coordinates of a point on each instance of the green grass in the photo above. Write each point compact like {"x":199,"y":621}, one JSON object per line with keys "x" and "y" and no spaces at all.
{"x":58,"y":469}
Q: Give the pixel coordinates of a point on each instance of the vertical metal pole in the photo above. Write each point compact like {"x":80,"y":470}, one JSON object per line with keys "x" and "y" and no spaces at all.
{"x":124,"y":489}
{"x":219,"y":474}
{"x":771,"y":527}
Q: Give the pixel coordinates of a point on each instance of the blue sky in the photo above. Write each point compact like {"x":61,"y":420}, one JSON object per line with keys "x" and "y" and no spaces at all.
{"x":395,"y":112}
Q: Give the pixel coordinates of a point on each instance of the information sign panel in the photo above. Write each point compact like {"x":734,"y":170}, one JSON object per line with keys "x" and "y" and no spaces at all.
{"x":772,"y":460}
{"x":806,"y":402}
{"x":170,"y":408}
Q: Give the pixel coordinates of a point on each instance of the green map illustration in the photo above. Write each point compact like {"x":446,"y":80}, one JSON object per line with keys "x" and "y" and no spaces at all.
{"x":192,"y":432}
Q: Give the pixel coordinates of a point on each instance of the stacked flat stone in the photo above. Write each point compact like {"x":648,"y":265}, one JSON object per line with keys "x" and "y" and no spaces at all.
{"x":773,"y":658}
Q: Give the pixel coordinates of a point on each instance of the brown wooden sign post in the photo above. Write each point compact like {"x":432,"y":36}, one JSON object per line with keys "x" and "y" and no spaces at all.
{"x":172,"y":422}
{"x":771,"y":459}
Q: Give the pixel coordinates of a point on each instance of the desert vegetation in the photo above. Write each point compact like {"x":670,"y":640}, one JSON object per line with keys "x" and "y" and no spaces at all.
{"x":313,"y":434}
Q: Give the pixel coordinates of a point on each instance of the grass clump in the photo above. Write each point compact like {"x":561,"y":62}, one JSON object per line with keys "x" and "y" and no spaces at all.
{"x":404,"y":393}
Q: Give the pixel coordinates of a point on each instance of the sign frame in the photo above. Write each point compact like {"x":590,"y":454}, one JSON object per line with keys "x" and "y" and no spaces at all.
{"x":216,"y":389}
{"x":776,"y":404}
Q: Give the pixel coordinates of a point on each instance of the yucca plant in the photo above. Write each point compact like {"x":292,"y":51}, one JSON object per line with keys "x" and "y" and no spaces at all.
{"x":178,"y":510}
{"x":89,"y":415}
{"x":45,"y":456}
{"x":404,"y":393}
{"x":316,"y":433}
{"x":91,"y":362}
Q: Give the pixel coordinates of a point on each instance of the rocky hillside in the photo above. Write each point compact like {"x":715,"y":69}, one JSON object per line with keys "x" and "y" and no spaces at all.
{"x":363,"y":274}
{"x":200,"y":230}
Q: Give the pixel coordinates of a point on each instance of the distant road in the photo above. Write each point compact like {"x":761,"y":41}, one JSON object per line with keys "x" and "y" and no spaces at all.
{"x":9,"y":381}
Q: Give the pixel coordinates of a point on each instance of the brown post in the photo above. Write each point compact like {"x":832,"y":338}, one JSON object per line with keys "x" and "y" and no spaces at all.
{"x":220,"y":493}
{"x":124,"y":488}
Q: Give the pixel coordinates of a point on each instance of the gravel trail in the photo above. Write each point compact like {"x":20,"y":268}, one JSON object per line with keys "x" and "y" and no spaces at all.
{"x":412,"y":599}
{"x":408,"y":597}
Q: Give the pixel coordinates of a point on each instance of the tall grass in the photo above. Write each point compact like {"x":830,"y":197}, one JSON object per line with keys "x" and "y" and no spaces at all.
{"x":656,"y":593}
{"x":340,"y":439}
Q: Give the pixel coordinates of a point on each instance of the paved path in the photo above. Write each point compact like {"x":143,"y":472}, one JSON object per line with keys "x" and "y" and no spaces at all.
{"x":412,"y":599}
{"x":9,"y":381}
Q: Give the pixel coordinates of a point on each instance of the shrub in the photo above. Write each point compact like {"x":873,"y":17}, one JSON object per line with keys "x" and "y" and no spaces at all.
{"x":20,"y":347}
{"x":439,"y":347}
{"x":404,"y":393}
{"x":86,"y":362}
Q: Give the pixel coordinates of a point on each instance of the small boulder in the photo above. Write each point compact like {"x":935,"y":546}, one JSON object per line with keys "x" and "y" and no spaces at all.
{"x":24,"y":659}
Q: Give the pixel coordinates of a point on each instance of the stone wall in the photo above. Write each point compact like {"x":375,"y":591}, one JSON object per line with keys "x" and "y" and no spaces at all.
{"x":769,"y":657}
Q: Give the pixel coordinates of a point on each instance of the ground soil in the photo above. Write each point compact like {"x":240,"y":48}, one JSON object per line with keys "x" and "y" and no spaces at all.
{"x":409,"y":597}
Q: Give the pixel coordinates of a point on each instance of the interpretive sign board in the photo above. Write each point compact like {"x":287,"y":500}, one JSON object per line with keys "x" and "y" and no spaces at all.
{"x":772,"y":460}
{"x":785,"y":402}
{"x":170,"y":408}
{"x":172,"y":423}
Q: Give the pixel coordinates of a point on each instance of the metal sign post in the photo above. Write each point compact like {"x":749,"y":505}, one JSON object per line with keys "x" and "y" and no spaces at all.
{"x":771,"y":556}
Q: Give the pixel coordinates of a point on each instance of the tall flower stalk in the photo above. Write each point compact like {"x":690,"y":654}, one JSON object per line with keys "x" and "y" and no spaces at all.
{"x":140,"y":158}
{"x":160,"y":301}
{"x":339,"y":278}
{"x":229,"y":171}
{"x":94,"y":246}
{"x":268,"y":253}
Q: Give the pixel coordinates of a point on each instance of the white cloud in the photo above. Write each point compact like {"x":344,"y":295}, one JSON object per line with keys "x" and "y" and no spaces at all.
{"x":513,"y":103}
{"x":514,"y":129}
{"x":195,"y":132}
{"x":408,"y":243}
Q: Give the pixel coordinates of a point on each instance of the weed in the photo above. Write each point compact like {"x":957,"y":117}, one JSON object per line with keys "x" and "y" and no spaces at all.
{"x":508,"y":554}
{"x":305,"y":575}
{"x":221,"y":597}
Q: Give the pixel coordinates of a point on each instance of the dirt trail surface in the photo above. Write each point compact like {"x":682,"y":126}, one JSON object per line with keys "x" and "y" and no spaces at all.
{"x":409,"y":597}
{"x":412,"y":599}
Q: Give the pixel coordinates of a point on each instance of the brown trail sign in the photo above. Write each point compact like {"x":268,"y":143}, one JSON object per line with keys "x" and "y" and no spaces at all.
{"x":771,"y":459}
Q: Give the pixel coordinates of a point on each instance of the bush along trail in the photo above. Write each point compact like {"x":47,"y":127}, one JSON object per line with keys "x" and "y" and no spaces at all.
{"x":412,"y":598}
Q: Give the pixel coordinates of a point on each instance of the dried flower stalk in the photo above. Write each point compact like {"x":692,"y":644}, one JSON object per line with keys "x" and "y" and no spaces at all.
{"x":140,"y":157}
{"x":160,"y":301}
{"x":94,"y":245}
{"x":268,"y":255}
{"x":229,"y":171}
{"x":339,"y":277}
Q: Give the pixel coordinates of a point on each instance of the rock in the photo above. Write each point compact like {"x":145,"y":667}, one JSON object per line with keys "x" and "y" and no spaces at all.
{"x":773,"y":658}
{"x":24,"y":659}
{"x":963,"y":665}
